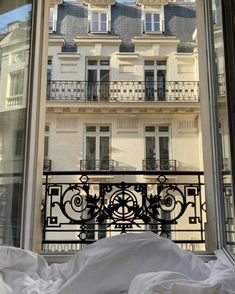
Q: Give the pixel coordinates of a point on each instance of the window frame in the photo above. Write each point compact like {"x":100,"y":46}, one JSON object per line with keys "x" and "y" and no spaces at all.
{"x":152,"y":22}
{"x":99,"y":22}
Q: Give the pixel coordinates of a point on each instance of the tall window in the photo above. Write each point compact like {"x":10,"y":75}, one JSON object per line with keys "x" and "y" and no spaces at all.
{"x":97,"y":147}
{"x":157,"y":147}
{"x":16,"y":83}
{"x":99,"y":22}
{"x":153,"y":22}
{"x":155,"y":80}
{"x":13,"y":122}
{"x":98,"y":79}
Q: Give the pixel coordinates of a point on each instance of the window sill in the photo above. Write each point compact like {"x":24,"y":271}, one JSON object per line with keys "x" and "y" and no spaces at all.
{"x":99,"y":32}
{"x":153,"y":33}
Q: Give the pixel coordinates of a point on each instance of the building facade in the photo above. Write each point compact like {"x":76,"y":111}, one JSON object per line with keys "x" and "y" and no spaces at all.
{"x":123,"y":87}
{"x":120,"y":110}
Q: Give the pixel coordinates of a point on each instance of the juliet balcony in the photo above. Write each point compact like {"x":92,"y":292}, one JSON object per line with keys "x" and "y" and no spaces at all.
{"x":123,"y":91}
{"x":81,"y":207}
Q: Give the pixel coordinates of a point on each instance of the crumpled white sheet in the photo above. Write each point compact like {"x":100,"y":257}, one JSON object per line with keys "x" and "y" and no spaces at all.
{"x":110,"y":265}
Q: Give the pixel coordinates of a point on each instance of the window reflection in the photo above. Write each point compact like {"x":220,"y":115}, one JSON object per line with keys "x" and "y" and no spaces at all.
{"x":224,"y":139}
{"x":15,"y":28}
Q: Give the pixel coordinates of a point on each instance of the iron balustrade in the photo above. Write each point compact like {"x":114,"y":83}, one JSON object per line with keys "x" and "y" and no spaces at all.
{"x":160,"y":164}
{"x":123,"y":91}
{"x":82,"y":207}
{"x":97,"y":165}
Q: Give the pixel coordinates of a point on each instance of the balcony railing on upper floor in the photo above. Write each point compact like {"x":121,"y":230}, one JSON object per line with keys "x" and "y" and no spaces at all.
{"x":82,"y":207}
{"x":107,"y":164}
{"x":159,"y":165}
{"x":123,"y":91}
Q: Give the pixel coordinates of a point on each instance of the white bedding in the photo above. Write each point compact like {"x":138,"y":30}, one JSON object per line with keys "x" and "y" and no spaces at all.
{"x":143,"y":263}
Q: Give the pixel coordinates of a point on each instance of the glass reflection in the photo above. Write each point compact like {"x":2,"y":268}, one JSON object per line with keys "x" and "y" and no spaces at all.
{"x":224,"y":139}
{"x":15,"y":28}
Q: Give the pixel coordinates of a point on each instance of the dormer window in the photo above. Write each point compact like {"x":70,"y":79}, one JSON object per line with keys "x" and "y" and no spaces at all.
{"x":153,"y":22}
{"x":99,"y":22}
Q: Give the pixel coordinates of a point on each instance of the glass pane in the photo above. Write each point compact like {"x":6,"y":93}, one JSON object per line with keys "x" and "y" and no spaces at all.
{"x":163,"y":128}
{"x":149,"y":62}
{"x":92,"y":62}
{"x":156,"y":17}
{"x":104,"y":129}
{"x":156,"y":26}
{"x":223,"y":129}
{"x":92,"y":85}
{"x":148,"y":26}
{"x":149,"y":85}
{"x":103,"y":17}
{"x":15,"y":34}
{"x":103,"y":26}
{"x":95,"y":17}
{"x":150,"y":153}
{"x":161,"y":87}
{"x":148,"y":17}
{"x":104,"y":84}
{"x":91,"y":128}
{"x":90,"y":153}
{"x":104,"y":153}
{"x":149,"y":129}
{"x":104,"y":62}
{"x":95,"y":26}
{"x":163,"y":148}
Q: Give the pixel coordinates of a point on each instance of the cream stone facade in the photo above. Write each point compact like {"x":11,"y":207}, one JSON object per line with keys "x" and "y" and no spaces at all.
{"x":122,"y":103}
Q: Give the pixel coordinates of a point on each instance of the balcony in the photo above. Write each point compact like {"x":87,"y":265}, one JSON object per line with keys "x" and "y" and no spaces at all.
{"x":80,"y":208}
{"x":123,"y":91}
{"x":159,"y":165}
{"x":97,"y":165}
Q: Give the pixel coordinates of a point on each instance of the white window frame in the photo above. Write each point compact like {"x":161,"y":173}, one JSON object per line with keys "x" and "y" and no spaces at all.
{"x":161,"y":21}
{"x":16,"y":83}
{"x":97,"y":134}
{"x":157,"y":134}
{"x":99,"y":21}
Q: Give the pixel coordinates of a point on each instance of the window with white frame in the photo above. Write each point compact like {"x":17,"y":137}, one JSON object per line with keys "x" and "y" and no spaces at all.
{"x":155,"y":79}
{"x":52,"y":19}
{"x":97,"y":147}
{"x":153,"y":22}
{"x":17,"y":83}
{"x":98,"y":79}
{"x":157,"y":147}
{"x":99,"y":22}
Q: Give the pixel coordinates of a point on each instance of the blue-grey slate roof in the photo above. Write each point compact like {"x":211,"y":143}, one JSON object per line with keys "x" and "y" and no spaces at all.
{"x":180,"y":21}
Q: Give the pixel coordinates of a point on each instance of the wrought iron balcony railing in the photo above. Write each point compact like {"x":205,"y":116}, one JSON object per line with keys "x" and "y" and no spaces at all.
{"x":79,"y":208}
{"x":160,"y":164}
{"x":123,"y":91}
{"x":97,"y":165}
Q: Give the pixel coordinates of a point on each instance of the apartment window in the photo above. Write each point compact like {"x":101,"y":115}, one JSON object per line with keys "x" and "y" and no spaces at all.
{"x":97,"y":147}
{"x":16,"y":83}
{"x":49,"y":68}
{"x":52,"y":19}
{"x":153,"y":22}
{"x":157,"y":147}
{"x":99,"y":22}
{"x":155,"y":79}
{"x":98,"y":79}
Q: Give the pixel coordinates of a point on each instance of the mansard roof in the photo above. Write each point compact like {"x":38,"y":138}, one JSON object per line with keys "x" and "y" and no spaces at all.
{"x":180,"y":21}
